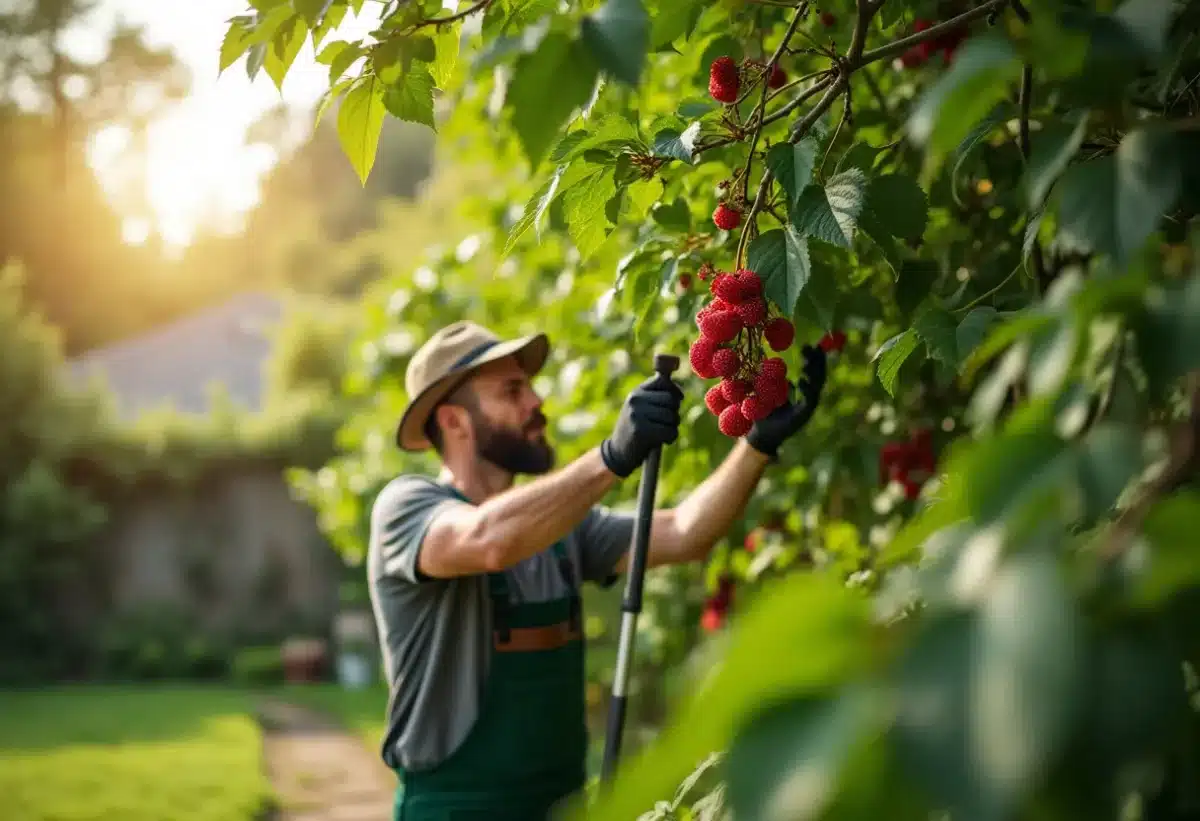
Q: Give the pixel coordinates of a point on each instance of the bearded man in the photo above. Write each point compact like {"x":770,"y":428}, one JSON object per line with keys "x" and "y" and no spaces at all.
{"x":475,"y":581}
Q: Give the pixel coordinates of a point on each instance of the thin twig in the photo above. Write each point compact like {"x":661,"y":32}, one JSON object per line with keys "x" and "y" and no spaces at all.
{"x":898,"y":47}
{"x":452,"y":18}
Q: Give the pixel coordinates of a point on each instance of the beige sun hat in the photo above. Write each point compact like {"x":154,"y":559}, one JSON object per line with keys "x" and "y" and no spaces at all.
{"x":449,"y":356}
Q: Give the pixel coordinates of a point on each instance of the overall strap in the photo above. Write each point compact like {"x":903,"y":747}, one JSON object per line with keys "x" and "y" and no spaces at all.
{"x":501,"y":605}
{"x":566,"y":571}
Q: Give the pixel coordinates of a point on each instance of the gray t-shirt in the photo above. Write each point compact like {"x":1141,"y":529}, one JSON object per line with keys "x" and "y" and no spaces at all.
{"x":436,"y":633}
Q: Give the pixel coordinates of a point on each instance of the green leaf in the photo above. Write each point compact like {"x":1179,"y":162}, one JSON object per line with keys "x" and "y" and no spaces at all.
{"x":340,"y":55}
{"x":1051,"y":151}
{"x":831,"y":213}
{"x":807,"y":740}
{"x":330,"y":20}
{"x":674,"y":216}
{"x":673,"y":19}
{"x":584,"y":209}
{"x":897,"y":204}
{"x":284,"y":47}
{"x":254,"y":59}
{"x":973,"y":329}
{"x":780,"y":258}
{"x":792,"y":164}
{"x":819,"y":297}
{"x":618,"y":36}
{"x":914,"y":281}
{"x":1174,"y":562}
{"x":675,"y":144}
{"x":1113,"y":204}
{"x":411,"y":99}
{"x":1109,"y":457}
{"x":1026,"y":682}
{"x":447,"y":42}
{"x":892,"y":355}
{"x":814,"y":630}
{"x":558,"y":63}
{"x":534,"y":209}
{"x":1146,"y":22}
{"x":333,"y":93}
{"x":1004,"y":473}
{"x":1168,"y":333}
{"x":936,"y":328}
{"x":979,"y":78}
{"x":312,"y":10}
{"x":360,"y":120}
{"x":235,"y":42}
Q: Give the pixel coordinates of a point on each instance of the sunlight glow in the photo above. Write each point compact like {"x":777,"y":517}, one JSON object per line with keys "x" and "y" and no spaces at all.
{"x":195,"y":172}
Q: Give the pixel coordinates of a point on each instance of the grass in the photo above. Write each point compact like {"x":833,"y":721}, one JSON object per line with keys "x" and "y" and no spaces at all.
{"x":131,"y":753}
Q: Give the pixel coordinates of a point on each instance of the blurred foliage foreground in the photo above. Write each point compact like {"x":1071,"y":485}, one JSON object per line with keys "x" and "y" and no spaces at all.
{"x":986,"y":210}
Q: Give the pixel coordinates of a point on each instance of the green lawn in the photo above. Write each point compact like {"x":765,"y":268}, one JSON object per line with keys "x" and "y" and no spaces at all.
{"x":134,"y":754}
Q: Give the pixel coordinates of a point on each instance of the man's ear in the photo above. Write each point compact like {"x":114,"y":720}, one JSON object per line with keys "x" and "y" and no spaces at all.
{"x":454,"y":422}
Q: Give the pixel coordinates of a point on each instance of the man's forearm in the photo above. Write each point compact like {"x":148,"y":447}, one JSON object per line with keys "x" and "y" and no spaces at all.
{"x":525,"y":520}
{"x":711,"y":509}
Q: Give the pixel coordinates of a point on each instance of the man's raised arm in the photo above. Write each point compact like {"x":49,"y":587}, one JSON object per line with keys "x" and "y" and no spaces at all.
{"x":525,"y":520}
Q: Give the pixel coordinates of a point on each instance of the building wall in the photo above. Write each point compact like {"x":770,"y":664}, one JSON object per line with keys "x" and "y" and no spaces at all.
{"x":239,"y":555}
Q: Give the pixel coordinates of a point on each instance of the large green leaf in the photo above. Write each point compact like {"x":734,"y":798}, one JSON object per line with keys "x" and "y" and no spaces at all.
{"x":819,"y":298}
{"x":830,"y":214}
{"x":892,"y":355}
{"x":359,"y":122}
{"x":973,"y":329}
{"x":1108,"y":458}
{"x":558,"y":63}
{"x":584,"y":209}
{"x":937,"y":329}
{"x":807,"y":740}
{"x":897,"y":205}
{"x":1113,"y":204}
{"x":792,"y":164}
{"x":618,"y":36}
{"x":780,"y":258}
{"x":803,"y":634}
{"x":1052,"y":151}
{"x":945,"y":114}
{"x":411,"y":97}
{"x":285,"y":46}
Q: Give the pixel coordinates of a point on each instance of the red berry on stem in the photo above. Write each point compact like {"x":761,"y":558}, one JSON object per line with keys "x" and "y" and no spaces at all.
{"x":752,"y":312}
{"x":833,"y":341}
{"x":733,"y":422}
{"x":751,"y":285}
{"x":711,"y":620}
{"x":726,"y":362}
{"x":755,"y":408}
{"x":720,"y":326}
{"x":730,"y":289}
{"x":773,"y":369}
{"x":715,"y":400}
{"x":735,"y":390}
{"x":685,"y":280}
{"x":827,"y":19}
{"x":780,"y":334}
{"x":726,"y":218}
{"x":700,"y":357}
{"x":723,"y":80}
{"x":778,"y":78}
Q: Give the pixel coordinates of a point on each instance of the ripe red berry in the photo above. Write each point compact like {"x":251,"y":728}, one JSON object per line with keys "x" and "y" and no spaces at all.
{"x":827,"y":19}
{"x":729,"y":289}
{"x":752,"y":312}
{"x":723,"y":80}
{"x":735,"y":390}
{"x":733,"y":423}
{"x":833,"y":341}
{"x":773,"y":369}
{"x":715,"y":400}
{"x":726,"y":218}
{"x":719,"y":304}
{"x":700,"y":357}
{"x":778,"y":78}
{"x":912,"y":57}
{"x":726,"y":362}
{"x":711,"y":620}
{"x":751,"y":285}
{"x":720,"y":326}
{"x":921,"y":24}
{"x":912,"y":489}
{"x":706,"y":270}
{"x":685,"y":280}
{"x":755,"y":408}
{"x":780,"y":334}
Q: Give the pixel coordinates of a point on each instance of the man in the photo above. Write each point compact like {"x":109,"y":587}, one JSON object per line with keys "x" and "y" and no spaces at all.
{"x":475,"y":582}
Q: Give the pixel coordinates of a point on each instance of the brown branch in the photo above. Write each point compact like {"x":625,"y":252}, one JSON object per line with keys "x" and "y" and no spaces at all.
{"x":895,"y":49}
{"x":453,"y":18}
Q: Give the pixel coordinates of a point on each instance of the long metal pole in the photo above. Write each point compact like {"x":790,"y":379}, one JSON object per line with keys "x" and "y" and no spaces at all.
{"x":631,"y":606}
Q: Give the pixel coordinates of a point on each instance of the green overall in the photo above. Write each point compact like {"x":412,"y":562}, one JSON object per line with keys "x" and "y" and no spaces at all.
{"x":528,"y":748}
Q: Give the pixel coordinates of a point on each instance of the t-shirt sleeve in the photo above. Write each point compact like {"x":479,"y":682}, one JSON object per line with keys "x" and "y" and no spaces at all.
{"x":399,"y":520}
{"x":604,"y":537}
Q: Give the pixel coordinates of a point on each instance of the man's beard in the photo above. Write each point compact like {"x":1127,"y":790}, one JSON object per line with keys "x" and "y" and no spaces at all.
{"x":512,"y":451}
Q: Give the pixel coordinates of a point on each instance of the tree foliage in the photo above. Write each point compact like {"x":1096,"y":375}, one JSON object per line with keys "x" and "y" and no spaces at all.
{"x":972,"y":586}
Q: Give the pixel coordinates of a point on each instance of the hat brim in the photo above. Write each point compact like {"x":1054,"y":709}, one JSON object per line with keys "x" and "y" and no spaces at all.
{"x":531,"y":352}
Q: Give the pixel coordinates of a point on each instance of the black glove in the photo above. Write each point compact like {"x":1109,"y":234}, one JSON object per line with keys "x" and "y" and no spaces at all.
{"x":649,"y":418}
{"x":766,"y":435}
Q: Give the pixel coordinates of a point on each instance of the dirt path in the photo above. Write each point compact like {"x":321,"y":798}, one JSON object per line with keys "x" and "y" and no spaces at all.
{"x":321,"y":772}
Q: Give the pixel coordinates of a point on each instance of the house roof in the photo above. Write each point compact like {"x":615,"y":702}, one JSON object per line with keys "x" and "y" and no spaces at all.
{"x":176,"y":364}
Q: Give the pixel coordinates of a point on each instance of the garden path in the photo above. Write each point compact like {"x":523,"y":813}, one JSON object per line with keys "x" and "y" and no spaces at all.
{"x":319,"y":771}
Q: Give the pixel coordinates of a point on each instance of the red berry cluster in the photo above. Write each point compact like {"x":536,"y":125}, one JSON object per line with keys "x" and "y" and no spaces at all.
{"x":716,"y":606}
{"x":946,"y":43}
{"x":911,"y":462}
{"x":725,"y":77}
{"x":733,"y":328}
